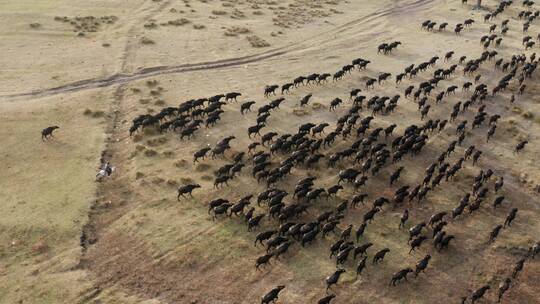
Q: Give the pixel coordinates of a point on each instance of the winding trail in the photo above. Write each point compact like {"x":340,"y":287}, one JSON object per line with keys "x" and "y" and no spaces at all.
{"x":121,"y":78}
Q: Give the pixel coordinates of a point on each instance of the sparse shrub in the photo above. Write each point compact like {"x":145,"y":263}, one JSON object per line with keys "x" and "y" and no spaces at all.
{"x":299,"y":112}
{"x":527,"y":115}
{"x":89,"y":24}
{"x":178,"y":22}
{"x":236,"y":30}
{"x":152,"y":83}
{"x":186,"y":180}
{"x":151,"y":25}
{"x":98,"y":114}
{"x":150,"y":152}
{"x":168,"y":153}
{"x":40,"y":247}
{"x":147,"y":41}
{"x":157,"y":141}
{"x":150,"y":131}
{"x":157,"y":180}
{"x":238,"y":14}
{"x":202,"y":167}
{"x":35,"y":25}
{"x":257,"y":42}
{"x":180,"y":163}
{"x":317,"y":106}
{"x":219,"y":12}
{"x":172,"y":183}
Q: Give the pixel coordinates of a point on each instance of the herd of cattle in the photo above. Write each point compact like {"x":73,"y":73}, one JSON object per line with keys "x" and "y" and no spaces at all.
{"x":363,"y":153}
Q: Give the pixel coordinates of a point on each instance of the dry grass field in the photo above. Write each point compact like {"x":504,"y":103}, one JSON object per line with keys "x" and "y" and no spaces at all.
{"x":91,"y":67}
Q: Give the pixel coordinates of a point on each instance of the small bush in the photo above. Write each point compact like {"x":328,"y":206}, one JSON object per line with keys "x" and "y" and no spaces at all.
{"x":151,"y":25}
{"x":172,"y":183}
{"x":157,"y":180}
{"x":98,"y":114}
{"x":527,"y":115}
{"x":179,"y":22}
{"x":317,"y":106}
{"x":150,"y":153}
{"x":202,"y":167}
{"x":299,"y":112}
{"x":40,"y":247}
{"x":168,"y":153}
{"x":219,"y":12}
{"x":238,"y":14}
{"x":147,"y":41}
{"x":186,"y":180}
{"x":181,"y":163}
{"x":152,"y":83}
{"x":157,"y":141}
{"x":257,"y":42}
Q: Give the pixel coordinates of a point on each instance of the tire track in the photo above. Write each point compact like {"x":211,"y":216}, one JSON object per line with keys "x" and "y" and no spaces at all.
{"x":123,"y":78}
{"x":91,"y":229}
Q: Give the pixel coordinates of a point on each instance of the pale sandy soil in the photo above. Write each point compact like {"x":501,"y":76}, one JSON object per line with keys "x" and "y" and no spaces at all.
{"x":151,"y":248}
